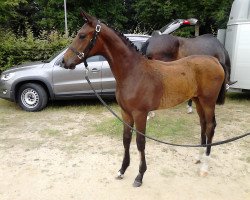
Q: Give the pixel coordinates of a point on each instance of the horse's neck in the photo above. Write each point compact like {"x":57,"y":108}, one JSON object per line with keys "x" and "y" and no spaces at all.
{"x":121,"y":57}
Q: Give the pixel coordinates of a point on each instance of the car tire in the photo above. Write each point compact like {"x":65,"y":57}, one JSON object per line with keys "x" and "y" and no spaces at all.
{"x":32,"y":97}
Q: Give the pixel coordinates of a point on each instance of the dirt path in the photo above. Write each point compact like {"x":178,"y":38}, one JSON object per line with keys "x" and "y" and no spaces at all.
{"x":38,"y":162}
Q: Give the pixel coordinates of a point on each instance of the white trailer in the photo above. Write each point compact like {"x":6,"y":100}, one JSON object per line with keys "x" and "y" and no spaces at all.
{"x":236,"y":39}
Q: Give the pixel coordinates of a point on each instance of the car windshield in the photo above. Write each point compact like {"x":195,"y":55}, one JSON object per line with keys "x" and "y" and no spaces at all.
{"x":53,"y":56}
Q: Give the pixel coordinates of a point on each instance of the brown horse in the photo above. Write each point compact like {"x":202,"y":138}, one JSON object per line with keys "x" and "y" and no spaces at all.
{"x":169,"y":48}
{"x":144,"y":85}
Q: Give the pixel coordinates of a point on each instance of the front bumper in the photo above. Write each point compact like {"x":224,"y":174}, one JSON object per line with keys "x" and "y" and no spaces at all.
{"x":5,"y":91}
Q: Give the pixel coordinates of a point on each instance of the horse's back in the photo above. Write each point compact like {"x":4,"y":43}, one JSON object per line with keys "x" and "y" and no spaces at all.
{"x":194,"y":62}
{"x":204,"y":65}
{"x":202,"y":45}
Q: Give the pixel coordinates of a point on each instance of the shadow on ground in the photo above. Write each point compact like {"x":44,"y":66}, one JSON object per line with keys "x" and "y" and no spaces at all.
{"x":79,"y":102}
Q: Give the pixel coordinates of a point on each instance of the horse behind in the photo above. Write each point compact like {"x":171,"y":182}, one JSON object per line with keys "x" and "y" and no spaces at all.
{"x":143,"y":85}
{"x":169,"y":48}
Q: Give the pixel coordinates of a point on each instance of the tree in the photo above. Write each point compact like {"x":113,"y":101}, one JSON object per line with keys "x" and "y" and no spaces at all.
{"x":154,"y":14}
{"x":126,"y":15}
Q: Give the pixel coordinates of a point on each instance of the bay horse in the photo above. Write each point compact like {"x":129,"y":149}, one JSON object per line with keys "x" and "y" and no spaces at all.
{"x":169,"y":48}
{"x":143,"y":85}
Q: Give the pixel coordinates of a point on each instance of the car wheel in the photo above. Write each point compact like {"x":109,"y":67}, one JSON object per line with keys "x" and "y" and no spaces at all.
{"x":32,"y":97}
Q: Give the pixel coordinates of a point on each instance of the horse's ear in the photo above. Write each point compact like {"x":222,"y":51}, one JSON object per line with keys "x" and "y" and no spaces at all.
{"x":87,"y":18}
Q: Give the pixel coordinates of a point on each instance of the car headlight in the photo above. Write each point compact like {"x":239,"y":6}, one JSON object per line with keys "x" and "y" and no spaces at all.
{"x":8,"y":76}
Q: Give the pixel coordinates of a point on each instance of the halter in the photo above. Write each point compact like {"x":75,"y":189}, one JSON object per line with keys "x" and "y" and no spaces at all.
{"x":83,"y":54}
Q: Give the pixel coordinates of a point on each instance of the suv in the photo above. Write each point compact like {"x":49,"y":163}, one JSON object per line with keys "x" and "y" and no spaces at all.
{"x":32,"y":85}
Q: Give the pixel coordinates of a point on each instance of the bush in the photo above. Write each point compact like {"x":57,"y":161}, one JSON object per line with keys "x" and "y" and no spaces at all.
{"x":16,"y":50}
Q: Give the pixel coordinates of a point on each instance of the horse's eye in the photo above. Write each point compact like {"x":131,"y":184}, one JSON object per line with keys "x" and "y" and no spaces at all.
{"x":82,"y":36}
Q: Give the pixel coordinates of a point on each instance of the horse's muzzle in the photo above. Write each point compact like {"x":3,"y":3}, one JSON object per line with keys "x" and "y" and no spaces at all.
{"x":67,"y":65}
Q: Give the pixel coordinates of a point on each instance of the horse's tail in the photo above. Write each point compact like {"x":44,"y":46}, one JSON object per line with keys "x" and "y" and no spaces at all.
{"x":227,"y":67}
{"x":222,"y":95}
{"x":144,"y":47}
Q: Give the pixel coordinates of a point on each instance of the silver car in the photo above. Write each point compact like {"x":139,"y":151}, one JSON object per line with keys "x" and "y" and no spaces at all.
{"x":33,"y":85}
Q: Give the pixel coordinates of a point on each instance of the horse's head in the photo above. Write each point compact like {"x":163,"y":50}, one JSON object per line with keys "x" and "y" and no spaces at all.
{"x":83,"y":43}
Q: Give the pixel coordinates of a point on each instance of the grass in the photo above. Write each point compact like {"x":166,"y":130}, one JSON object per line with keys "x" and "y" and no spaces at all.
{"x":174,"y":125}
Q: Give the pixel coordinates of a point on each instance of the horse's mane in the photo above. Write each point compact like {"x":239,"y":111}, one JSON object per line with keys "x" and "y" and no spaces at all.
{"x":125,"y":39}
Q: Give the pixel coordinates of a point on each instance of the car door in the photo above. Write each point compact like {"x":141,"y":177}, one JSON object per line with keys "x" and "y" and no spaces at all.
{"x":108,"y":80}
{"x":72,"y":83}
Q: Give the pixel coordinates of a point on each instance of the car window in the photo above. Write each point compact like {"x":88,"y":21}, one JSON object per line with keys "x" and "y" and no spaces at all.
{"x":102,"y":58}
{"x":138,"y":44}
{"x":93,"y":59}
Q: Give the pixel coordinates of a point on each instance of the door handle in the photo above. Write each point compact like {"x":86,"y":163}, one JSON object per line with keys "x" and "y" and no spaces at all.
{"x":94,"y":70}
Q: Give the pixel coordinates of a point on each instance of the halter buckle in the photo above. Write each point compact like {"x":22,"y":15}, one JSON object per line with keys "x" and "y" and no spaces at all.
{"x":98,"y":28}
{"x":80,"y":55}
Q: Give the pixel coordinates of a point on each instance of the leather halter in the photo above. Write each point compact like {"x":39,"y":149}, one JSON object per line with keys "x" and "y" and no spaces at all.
{"x":83,"y":54}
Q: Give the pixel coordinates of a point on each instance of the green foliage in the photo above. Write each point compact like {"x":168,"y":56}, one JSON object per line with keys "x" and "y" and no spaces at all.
{"x":16,"y":50}
{"x":32,"y":29}
{"x":154,"y":14}
{"x":126,"y":15}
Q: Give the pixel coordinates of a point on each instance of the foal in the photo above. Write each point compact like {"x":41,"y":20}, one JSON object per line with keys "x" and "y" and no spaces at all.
{"x":144,"y":85}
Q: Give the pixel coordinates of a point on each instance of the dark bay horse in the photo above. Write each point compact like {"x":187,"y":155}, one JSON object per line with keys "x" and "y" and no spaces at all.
{"x":169,"y":48}
{"x":143,"y":85}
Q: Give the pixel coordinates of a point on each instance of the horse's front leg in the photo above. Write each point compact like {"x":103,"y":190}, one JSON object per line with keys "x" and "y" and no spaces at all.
{"x":127,"y":135}
{"x":140,"y":123}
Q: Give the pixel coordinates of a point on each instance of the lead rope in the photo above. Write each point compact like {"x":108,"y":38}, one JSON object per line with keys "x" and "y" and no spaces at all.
{"x":151,"y":138}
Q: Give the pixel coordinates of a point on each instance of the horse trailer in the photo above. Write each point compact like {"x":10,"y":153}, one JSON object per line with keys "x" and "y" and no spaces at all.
{"x":236,"y":39}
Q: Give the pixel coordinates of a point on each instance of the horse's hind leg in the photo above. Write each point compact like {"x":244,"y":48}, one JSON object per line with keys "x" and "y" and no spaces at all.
{"x":210,"y":128}
{"x":140,"y":123}
{"x":127,"y":135}
{"x":201,"y":114}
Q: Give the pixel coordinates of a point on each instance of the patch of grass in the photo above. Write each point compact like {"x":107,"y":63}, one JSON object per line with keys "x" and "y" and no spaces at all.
{"x":8,"y":107}
{"x":167,"y":124}
{"x":172,"y":125}
{"x":111,"y":127}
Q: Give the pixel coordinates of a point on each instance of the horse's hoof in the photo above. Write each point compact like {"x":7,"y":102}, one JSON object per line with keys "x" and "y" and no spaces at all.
{"x":119,"y":176}
{"x":137,"y":184}
{"x":203,"y":173}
